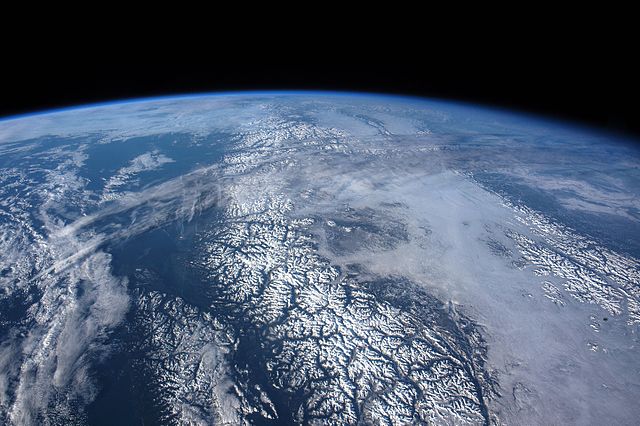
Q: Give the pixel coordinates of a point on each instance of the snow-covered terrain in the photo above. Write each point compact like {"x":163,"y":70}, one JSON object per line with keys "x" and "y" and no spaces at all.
{"x":318,"y":259}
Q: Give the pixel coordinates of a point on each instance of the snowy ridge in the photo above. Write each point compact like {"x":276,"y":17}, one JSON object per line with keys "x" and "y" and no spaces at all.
{"x":183,"y":350}
{"x":314,"y":260}
{"x":355,"y":358}
{"x":592,"y":273}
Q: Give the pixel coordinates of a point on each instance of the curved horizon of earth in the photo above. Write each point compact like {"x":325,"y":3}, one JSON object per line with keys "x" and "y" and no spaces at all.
{"x":316,"y":258}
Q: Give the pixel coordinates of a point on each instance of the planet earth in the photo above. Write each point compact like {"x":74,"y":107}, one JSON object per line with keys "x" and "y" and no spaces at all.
{"x":316,"y":258}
